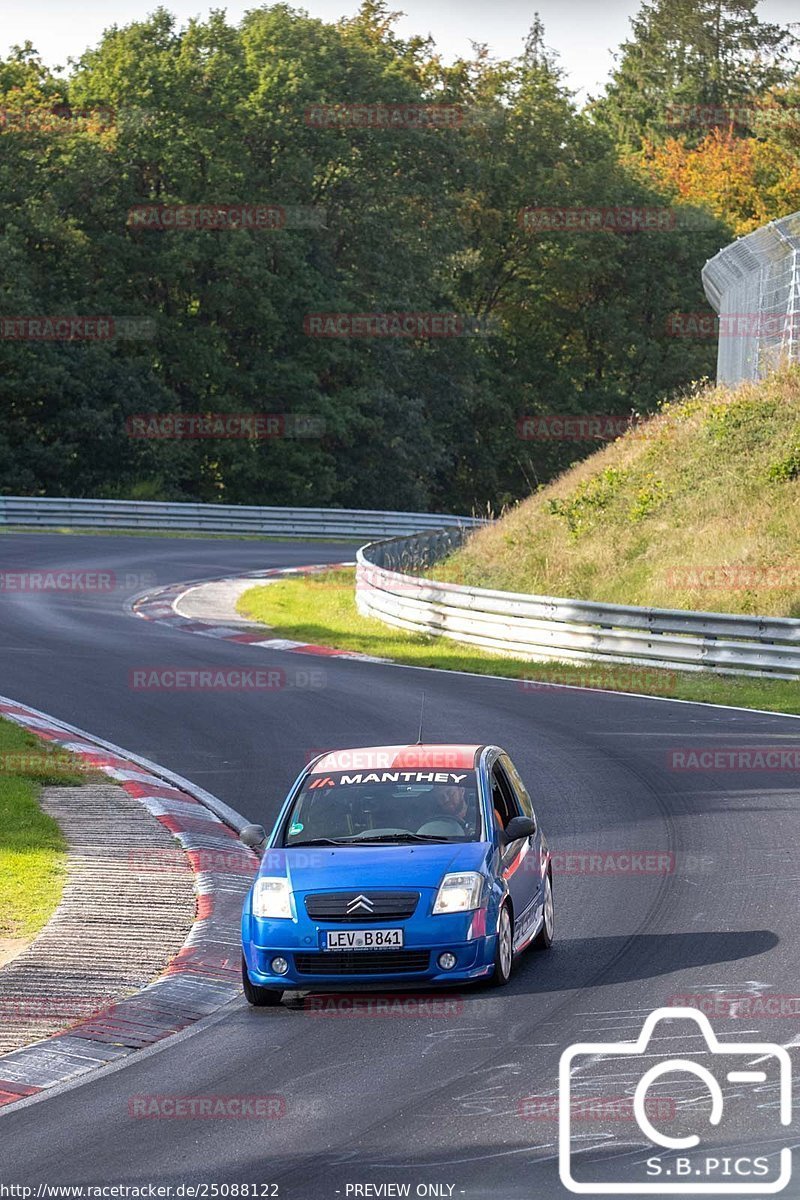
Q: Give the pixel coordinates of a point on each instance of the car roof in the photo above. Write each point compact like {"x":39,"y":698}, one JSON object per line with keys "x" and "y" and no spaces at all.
{"x":422,"y":756}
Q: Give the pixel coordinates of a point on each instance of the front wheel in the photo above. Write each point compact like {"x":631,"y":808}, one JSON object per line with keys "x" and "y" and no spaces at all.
{"x":503,"y":950}
{"x":544,"y":938}
{"x":259,"y":997}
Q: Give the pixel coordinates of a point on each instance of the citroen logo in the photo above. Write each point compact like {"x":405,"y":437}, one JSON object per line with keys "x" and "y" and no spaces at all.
{"x":360,"y":902}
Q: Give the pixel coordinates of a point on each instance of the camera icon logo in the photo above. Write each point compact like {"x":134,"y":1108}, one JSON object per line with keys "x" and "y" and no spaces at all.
{"x":701,"y":1173}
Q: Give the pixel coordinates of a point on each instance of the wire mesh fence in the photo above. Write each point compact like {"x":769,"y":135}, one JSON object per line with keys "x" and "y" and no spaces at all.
{"x":754,"y":285}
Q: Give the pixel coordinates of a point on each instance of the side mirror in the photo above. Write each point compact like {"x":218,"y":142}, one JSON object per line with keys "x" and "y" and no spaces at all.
{"x":253,"y":836}
{"x":519,"y":827}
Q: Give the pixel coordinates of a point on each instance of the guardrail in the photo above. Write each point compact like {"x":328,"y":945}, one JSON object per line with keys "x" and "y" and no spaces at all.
{"x":219,"y":518}
{"x":533,"y":627}
{"x":550,"y":628}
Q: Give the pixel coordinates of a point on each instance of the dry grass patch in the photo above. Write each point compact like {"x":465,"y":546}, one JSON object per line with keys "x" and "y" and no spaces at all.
{"x":699,"y":507}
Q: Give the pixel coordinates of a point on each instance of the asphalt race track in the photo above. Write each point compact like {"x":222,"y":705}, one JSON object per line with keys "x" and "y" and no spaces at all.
{"x":418,"y":1100}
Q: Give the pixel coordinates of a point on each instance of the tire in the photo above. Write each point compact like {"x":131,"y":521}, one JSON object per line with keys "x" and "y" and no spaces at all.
{"x":544,"y":938}
{"x":259,"y":997}
{"x":503,"y":951}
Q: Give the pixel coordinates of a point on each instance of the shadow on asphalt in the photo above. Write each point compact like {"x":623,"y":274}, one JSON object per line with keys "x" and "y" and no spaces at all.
{"x":572,"y":964}
{"x":579,"y":962}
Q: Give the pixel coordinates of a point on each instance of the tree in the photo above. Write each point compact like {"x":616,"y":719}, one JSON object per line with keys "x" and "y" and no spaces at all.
{"x":537,"y":56}
{"x":418,"y":220}
{"x":690,"y":54}
{"x":745,"y":182}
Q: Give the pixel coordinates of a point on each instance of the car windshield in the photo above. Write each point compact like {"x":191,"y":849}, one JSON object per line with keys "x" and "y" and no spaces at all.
{"x":365,"y":808}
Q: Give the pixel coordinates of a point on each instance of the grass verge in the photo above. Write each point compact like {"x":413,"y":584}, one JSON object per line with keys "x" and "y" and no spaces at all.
{"x":321,"y":609}
{"x":32,"y":848}
{"x":697,"y":507}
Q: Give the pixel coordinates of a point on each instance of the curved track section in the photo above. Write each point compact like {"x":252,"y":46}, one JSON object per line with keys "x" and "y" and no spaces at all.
{"x":430,"y":1099}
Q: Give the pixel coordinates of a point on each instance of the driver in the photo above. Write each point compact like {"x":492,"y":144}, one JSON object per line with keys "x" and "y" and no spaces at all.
{"x":452,"y":802}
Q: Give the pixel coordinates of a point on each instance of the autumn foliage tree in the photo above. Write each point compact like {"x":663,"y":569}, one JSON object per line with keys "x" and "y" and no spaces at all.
{"x":743,"y":181}
{"x":704,"y":101}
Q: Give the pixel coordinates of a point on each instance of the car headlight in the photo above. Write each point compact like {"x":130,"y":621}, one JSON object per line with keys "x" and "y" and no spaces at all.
{"x":459,"y":892}
{"x":272,"y":897}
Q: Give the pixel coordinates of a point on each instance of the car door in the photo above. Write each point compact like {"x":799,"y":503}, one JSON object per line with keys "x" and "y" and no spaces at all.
{"x":535,"y":858}
{"x":518,"y":858}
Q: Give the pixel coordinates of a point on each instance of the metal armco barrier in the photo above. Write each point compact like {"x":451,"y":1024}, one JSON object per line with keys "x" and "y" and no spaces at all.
{"x":549,"y":628}
{"x":218,"y":518}
{"x":387,"y":587}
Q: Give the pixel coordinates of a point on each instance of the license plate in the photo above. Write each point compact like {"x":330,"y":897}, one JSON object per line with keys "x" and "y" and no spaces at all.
{"x":364,"y":939}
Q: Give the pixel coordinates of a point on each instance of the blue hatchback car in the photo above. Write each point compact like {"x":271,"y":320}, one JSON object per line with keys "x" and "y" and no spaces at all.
{"x":397,"y":865}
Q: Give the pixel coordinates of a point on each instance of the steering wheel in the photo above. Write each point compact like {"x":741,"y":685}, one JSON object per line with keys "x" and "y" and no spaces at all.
{"x":442,"y":827}
{"x":366,"y":834}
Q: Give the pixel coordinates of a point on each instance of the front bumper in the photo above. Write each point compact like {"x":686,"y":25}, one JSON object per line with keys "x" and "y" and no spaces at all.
{"x":301,"y":944}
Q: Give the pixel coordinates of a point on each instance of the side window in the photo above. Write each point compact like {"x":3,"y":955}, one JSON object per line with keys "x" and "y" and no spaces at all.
{"x":519,"y":787}
{"x":503,"y":798}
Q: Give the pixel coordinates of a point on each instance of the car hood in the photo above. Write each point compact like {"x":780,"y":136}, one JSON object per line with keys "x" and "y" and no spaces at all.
{"x":340,"y":868}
